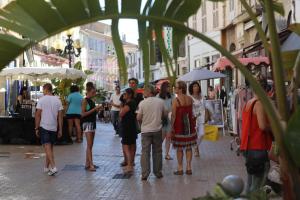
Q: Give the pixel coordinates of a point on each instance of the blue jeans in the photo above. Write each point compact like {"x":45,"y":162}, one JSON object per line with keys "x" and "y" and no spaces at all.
{"x":255,"y":182}
{"x":115,"y":120}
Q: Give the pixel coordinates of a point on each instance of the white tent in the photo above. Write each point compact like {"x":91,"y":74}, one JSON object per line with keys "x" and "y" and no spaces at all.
{"x":41,"y":73}
{"x":200,"y":74}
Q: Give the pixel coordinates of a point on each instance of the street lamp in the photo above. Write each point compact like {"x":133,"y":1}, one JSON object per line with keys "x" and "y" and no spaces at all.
{"x":72,"y":47}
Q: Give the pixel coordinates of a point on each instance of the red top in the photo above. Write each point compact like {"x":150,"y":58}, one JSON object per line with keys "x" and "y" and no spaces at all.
{"x":258,"y":139}
{"x":178,"y":125}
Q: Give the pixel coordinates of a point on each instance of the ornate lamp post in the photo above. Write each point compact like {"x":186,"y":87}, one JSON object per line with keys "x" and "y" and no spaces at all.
{"x":72,"y":47}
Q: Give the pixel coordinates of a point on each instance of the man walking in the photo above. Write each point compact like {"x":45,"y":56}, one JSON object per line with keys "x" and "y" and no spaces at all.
{"x":48,"y":113}
{"x":115,"y":109}
{"x":150,"y":113}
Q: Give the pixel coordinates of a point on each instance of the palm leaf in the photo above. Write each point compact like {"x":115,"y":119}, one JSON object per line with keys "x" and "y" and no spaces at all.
{"x":119,"y":50}
{"x":131,"y":6}
{"x":144,"y":45}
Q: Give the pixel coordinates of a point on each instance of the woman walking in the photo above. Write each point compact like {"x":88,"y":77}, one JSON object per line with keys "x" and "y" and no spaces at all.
{"x":128,"y":128}
{"x":184,"y":136}
{"x":166,"y":129}
{"x":198,"y":112}
{"x":73,"y":114}
{"x":89,"y":113}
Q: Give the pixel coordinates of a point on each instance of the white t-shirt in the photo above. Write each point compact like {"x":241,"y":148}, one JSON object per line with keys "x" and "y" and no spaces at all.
{"x":115,"y":98}
{"x":50,"y":105}
{"x":151,"y":109}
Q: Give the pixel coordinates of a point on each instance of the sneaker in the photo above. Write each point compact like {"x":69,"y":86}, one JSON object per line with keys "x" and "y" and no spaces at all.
{"x":52,"y":171}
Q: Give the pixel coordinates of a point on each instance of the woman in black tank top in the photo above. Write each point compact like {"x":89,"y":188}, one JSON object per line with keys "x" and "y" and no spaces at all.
{"x":89,"y":113}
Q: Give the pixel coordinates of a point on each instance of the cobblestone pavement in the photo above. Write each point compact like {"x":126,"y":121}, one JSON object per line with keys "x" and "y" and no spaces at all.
{"x":21,"y":176}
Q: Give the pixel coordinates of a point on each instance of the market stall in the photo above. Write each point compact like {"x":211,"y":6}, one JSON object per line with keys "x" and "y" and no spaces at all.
{"x":18,"y":128}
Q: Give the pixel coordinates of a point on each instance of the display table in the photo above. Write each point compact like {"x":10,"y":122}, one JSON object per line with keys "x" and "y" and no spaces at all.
{"x":18,"y":130}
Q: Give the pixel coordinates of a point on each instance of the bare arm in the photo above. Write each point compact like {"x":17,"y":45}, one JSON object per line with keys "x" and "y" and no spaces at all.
{"x":261,"y":116}
{"x":38,"y":114}
{"x":174,"y":106}
{"x":60,"y":123}
{"x":124,"y":110}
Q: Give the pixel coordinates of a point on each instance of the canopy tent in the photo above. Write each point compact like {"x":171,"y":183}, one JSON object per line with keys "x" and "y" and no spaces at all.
{"x":41,"y":73}
{"x":38,"y":74}
{"x":201,"y":74}
{"x":223,"y":62}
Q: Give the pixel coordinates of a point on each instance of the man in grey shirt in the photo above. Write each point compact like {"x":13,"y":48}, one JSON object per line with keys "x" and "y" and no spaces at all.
{"x":150,"y":113}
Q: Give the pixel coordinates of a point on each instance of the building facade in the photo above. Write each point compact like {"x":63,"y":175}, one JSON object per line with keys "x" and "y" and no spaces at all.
{"x":209,"y":21}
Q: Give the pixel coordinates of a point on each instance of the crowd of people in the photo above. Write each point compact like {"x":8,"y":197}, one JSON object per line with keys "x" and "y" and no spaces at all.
{"x":158,"y":117}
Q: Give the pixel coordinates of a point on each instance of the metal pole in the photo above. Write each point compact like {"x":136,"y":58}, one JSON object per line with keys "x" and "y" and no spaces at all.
{"x":70,"y":60}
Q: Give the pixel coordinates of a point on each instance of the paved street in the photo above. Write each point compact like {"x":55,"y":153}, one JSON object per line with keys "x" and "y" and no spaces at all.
{"x":21,"y":176}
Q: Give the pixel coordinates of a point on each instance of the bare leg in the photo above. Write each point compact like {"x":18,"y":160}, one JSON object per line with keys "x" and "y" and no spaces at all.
{"x":49,"y":154}
{"x":124,"y":163}
{"x":180,"y":159}
{"x":78,"y":129}
{"x":133,"y":151}
{"x":47,"y":163}
{"x":70,"y":127}
{"x":168,"y":145}
{"x":189,"y":155}
{"x":89,"y":148}
{"x":128,"y":157}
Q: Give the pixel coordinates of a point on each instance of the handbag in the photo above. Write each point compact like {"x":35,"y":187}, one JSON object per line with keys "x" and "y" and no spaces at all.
{"x":255,"y":160}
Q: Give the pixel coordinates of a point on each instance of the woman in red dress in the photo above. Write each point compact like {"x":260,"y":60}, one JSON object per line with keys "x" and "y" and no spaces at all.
{"x":184,"y":135}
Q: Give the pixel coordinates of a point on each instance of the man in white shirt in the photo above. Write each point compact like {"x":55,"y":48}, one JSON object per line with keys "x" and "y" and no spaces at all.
{"x":115,"y":109}
{"x":48,"y":117}
{"x":150,"y":113}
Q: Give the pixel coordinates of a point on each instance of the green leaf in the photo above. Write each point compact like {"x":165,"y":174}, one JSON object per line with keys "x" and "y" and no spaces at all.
{"x":94,"y":7}
{"x":131,"y":6}
{"x":144,"y":45}
{"x":111,"y":7}
{"x":292,"y":137}
{"x":71,"y":14}
{"x":289,"y":58}
{"x":295,"y":28}
{"x":165,"y":55}
{"x":119,"y":50}
{"x":277,"y":6}
{"x":159,"y":7}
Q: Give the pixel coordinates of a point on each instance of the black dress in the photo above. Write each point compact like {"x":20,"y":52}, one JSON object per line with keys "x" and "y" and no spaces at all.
{"x":128,"y":125}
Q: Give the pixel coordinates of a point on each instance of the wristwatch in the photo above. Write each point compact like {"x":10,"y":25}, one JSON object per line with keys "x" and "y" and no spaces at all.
{"x":36,"y":128}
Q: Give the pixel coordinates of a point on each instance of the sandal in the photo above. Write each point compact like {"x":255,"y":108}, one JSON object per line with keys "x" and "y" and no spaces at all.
{"x":123,"y":164}
{"x":91,"y":169}
{"x":179,"y":172}
{"x":168,"y":157}
{"x":189,"y":172}
{"x":96,"y":166}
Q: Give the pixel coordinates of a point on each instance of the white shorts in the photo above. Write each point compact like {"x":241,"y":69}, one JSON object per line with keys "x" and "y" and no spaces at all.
{"x":88,"y":127}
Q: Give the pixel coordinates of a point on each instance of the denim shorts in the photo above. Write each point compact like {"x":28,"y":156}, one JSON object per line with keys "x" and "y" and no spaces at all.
{"x":47,"y":137}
